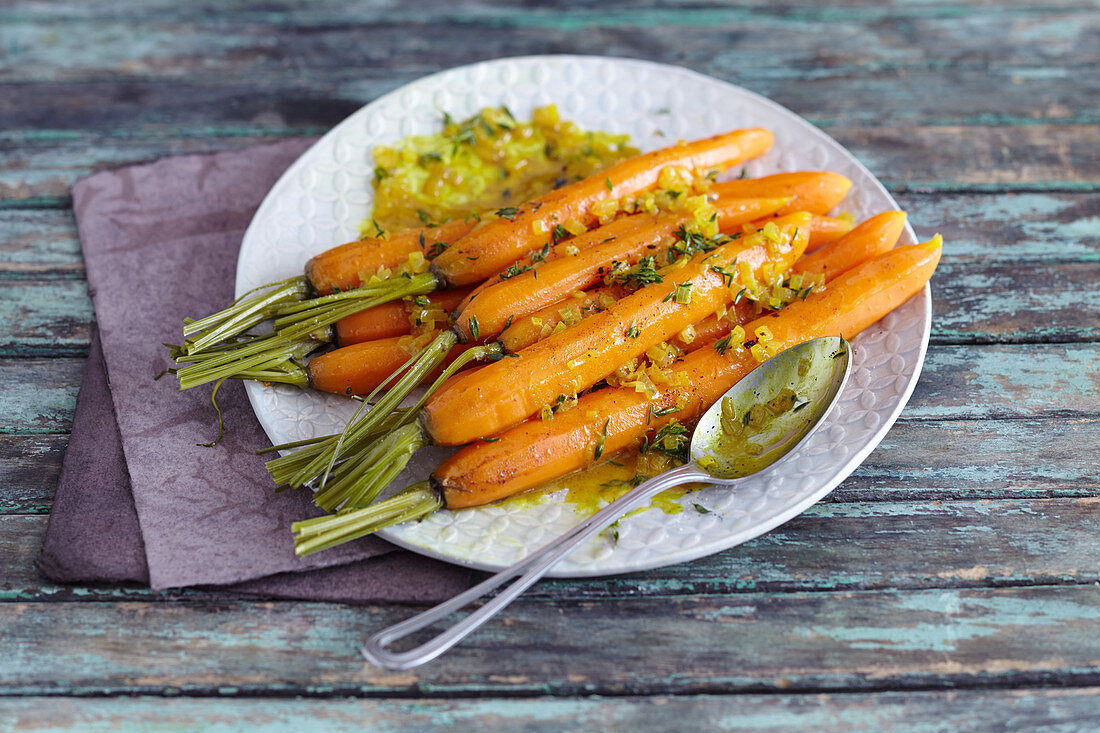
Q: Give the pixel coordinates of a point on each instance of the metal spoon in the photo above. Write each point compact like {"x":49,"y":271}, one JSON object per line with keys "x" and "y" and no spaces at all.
{"x":815,"y":371}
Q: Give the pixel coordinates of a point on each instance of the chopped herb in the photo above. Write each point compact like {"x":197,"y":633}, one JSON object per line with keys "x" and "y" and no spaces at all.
{"x":473,"y":215}
{"x":379,"y":232}
{"x":490,"y":440}
{"x":722,"y":344}
{"x":727,"y":276}
{"x":508,"y":212}
{"x":643,"y":273}
{"x":475,"y":330}
{"x":436,"y":249}
{"x":423,"y":216}
{"x":672,"y":440}
{"x":613,"y":530}
{"x":560,"y":233}
{"x":744,"y":173}
{"x":380,"y":174}
{"x":607,"y":182}
{"x":541,"y":255}
{"x":514,"y":270}
{"x":632,"y":331}
{"x":740,"y":294}
{"x":701,"y":509}
{"x":614,"y":463}
{"x":422,"y":301}
{"x":666,"y":410}
{"x":473,"y":257}
{"x":348,"y":391}
{"x":602,"y":440}
{"x":682,"y":293}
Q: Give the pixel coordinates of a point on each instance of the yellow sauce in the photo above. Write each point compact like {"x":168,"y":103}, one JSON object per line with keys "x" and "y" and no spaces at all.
{"x":593,"y":488}
{"x":488,"y":162}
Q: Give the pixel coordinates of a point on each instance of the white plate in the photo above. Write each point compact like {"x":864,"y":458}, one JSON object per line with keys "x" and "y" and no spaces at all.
{"x":320,"y":201}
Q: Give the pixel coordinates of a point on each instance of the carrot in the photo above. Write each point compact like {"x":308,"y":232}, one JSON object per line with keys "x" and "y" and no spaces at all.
{"x":625,"y":240}
{"x":876,"y":235}
{"x":494,"y":244}
{"x":343,"y":267}
{"x":506,"y":392}
{"x":539,"y":450}
{"x":361,"y":368}
{"x":827,"y":229}
{"x":814,"y":191}
{"x":392,"y":319}
{"x":610,"y":420}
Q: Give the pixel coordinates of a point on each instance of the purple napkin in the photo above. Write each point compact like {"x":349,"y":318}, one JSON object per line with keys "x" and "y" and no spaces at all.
{"x":138,"y":499}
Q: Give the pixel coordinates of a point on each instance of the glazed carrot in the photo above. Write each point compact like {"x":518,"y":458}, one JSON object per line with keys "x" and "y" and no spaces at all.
{"x":872,"y":237}
{"x":625,"y":240}
{"x":391,"y":319}
{"x":360,"y":368}
{"x":537,"y":451}
{"x":505,"y":392}
{"x":494,"y":244}
{"x":610,"y":420}
{"x":828,"y":229}
{"x":342,"y":267}
{"x":814,"y":191}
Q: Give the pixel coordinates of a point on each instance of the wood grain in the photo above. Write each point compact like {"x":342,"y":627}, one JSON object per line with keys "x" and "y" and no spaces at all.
{"x":861,"y":640}
{"x":918,"y":712}
{"x":832,"y":547}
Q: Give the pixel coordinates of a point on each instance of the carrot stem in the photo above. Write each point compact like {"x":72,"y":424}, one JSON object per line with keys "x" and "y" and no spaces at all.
{"x":415,"y":502}
{"x":244,"y":313}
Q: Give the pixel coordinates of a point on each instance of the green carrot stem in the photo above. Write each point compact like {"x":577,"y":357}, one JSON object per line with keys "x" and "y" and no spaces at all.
{"x":297,"y":319}
{"x":433,"y":354}
{"x":415,"y":502}
{"x":284,"y":468}
{"x":243,"y":314}
{"x":271,"y":356}
{"x":355,"y":448}
{"x":362,"y":481}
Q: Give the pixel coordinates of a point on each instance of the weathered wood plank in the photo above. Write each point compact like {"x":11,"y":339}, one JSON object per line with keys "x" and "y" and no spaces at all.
{"x":38,"y":395}
{"x":1009,"y":228}
{"x":30,"y":466}
{"x":921,"y":460}
{"x":913,"y":545}
{"x":917,"y":712}
{"x":999,"y":228}
{"x":37,"y":169}
{"x":1013,"y":304}
{"x":864,"y":640}
{"x":753,"y":41}
{"x":39,"y":244}
{"x":966,"y":382}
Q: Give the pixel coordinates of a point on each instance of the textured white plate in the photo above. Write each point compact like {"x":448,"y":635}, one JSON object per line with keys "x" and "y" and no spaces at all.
{"x":320,"y":201}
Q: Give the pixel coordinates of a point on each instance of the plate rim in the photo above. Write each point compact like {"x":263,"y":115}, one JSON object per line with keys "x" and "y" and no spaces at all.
{"x":695,"y":552}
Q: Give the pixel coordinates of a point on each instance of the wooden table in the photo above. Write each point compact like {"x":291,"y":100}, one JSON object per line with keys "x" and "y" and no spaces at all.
{"x":951,"y":581}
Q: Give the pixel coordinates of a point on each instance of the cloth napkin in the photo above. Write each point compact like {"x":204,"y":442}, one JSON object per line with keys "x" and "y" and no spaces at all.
{"x":138,"y":498}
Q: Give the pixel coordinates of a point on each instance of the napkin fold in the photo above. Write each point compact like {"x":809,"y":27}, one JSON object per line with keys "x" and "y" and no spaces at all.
{"x":138,"y":498}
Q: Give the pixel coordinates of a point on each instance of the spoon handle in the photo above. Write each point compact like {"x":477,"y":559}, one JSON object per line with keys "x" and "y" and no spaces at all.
{"x":526,"y":571}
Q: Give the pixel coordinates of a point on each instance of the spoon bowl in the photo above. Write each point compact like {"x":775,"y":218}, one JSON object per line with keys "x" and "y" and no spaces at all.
{"x":753,"y":426}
